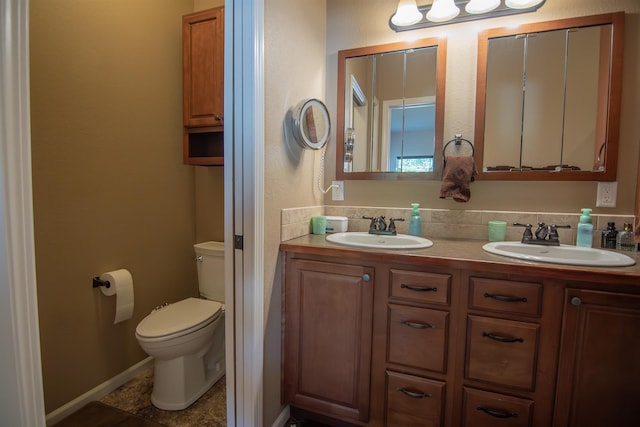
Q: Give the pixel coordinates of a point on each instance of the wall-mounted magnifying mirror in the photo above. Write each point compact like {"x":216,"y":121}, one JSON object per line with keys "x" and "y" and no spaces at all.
{"x":548,"y":100}
{"x":391,"y":110}
{"x":310,"y":124}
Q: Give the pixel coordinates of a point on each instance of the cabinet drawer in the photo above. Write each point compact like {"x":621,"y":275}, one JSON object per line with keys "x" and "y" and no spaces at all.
{"x":505,"y":296}
{"x":418,"y":337}
{"x":414,"y":401}
{"x":502,"y":351}
{"x":484,"y":409}
{"x":420,"y":286}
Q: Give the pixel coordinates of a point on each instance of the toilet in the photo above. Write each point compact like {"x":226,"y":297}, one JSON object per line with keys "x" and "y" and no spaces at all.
{"x":186,"y":338}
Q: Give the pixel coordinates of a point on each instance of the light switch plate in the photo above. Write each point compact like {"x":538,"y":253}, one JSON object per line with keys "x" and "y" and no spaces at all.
{"x":607,"y":194}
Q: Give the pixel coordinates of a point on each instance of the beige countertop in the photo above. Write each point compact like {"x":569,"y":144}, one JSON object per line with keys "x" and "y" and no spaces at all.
{"x":466,"y":254}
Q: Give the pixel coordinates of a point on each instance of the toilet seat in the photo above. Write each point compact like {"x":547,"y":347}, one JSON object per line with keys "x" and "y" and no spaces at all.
{"x":178,"y":319}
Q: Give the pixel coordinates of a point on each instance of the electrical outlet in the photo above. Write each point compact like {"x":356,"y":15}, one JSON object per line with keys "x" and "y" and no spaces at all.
{"x":337,"y":192}
{"x":607,"y":194}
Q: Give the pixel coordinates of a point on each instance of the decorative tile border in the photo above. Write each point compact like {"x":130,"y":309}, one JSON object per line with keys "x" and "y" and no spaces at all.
{"x":446,"y":223}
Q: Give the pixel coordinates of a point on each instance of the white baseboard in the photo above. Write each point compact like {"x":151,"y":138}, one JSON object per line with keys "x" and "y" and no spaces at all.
{"x":97,"y":392}
{"x":282,"y":419}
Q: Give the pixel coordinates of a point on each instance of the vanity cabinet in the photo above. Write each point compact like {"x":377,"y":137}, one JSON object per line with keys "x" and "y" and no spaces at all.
{"x":328,"y":337}
{"x":203,"y":87}
{"x":379,"y":339}
{"x":418,"y":355}
{"x":599,"y":371}
{"x":511,"y":333}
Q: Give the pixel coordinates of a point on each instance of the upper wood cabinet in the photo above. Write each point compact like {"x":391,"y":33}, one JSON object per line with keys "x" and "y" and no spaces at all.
{"x":203,"y":87}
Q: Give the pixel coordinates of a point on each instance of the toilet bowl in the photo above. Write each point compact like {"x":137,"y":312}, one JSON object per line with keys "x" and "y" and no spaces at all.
{"x":186,"y":338}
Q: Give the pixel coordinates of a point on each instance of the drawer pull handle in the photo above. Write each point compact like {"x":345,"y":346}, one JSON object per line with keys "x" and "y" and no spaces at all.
{"x":418,"y":288}
{"x":366,"y":277}
{"x":413,"y":394}
{"x":501,"y":339}
{"x":504,"y":298}
{"x":497,"y":414}
{"x":416,"y":325}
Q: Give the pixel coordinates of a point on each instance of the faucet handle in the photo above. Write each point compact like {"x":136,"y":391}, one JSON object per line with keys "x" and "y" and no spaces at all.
{"x":392,"y":224}
{"x":372,"y":225}
{"x":517,"y":224}
{"x":560,"y":226}
{"x":527,"y":236}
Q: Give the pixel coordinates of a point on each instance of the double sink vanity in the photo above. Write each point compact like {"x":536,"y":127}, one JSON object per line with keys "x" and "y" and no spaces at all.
{"x":452,"y":334}
{"x":403,"y":331}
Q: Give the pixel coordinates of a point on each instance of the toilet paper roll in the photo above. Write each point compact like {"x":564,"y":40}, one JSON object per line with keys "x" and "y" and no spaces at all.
{"x":122,"y":287}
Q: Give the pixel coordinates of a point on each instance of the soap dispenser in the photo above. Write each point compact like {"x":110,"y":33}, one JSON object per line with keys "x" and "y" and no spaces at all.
{"x":625,"y":241}
{"x":585,"y":229}
{"x":609,"y":236}
{"x":415,"y":223}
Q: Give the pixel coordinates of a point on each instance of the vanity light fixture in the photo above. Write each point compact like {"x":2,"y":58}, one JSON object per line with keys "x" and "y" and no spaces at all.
{"x":521,"y":4}
{"x":409,"y":16}
{"x":481,"y":6}
{"x":406,"y":14}
{"x":442,"y":11}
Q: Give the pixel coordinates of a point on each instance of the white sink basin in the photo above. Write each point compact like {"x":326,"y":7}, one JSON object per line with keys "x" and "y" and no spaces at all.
{"x":563,"y":254}
{"x":375,"y":241}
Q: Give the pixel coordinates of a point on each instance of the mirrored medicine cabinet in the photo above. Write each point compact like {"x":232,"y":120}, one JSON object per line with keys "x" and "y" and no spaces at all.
{"x":548,"y":100}
{"x":391,"y":111}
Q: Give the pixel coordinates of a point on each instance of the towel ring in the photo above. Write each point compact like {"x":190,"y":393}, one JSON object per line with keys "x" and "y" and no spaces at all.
{"x":457,"y":143}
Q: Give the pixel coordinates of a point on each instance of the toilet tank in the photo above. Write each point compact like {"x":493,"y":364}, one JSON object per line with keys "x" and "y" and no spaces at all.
{"x":210,"y":262}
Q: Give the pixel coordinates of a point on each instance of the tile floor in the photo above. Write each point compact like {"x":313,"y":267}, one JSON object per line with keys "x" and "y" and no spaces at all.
{"x":135,"y":397}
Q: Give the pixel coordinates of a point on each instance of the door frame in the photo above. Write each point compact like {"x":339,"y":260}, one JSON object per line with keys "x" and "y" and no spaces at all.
{"x":244,"y":208}
{"x":20,"y":368}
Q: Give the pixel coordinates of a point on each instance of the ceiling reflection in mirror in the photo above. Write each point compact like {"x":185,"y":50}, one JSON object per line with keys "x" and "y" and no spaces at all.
{"x":550,"y":101}
{"x":390,"y":112}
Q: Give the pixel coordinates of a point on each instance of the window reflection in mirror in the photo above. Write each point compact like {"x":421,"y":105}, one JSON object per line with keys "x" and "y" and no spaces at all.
{"x":390,"y":115}
{"x":548,"y":100}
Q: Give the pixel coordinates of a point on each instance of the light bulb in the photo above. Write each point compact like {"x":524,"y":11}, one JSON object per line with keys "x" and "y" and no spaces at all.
{"x":442,"y":10}
{"x":481,"y":6}
{"x":522,"y":4}
{"x":406,"y":14}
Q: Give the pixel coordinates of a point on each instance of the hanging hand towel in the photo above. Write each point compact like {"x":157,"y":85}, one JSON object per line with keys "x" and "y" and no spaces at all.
{"x":458,"y":174}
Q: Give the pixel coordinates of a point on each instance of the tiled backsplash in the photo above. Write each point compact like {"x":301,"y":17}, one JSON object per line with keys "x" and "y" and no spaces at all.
{"x":445,"y":223}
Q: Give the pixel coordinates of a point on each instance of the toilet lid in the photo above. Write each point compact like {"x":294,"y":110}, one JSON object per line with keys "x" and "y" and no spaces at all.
{"x":178,"y":317}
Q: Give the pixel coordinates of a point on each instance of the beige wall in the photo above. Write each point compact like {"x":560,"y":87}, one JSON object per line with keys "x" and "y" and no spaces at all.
{"x":110,"y":190}
{"x":365,"y":22}
{"x":294,"y":70}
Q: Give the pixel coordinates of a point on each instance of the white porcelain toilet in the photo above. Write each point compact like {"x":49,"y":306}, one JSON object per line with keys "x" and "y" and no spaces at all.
{"x":186,"y":338}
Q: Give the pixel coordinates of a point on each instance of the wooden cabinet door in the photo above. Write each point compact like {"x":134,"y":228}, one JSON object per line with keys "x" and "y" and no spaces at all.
{"x":328,"y":315}
{"x":599,"y":370}
{"x":203,"y":68}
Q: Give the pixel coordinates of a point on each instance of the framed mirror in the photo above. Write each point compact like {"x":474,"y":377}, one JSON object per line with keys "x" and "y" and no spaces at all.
{"x":391,"y":110}
{"x":548,"y":100}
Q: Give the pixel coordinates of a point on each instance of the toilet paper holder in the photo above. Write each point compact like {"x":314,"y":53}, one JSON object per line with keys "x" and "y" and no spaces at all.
{"x":97,"y":282}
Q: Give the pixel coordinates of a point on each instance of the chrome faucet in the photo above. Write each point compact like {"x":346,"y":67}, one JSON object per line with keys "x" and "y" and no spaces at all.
{"x":378,"y":225}
{"x":546,"y":235}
